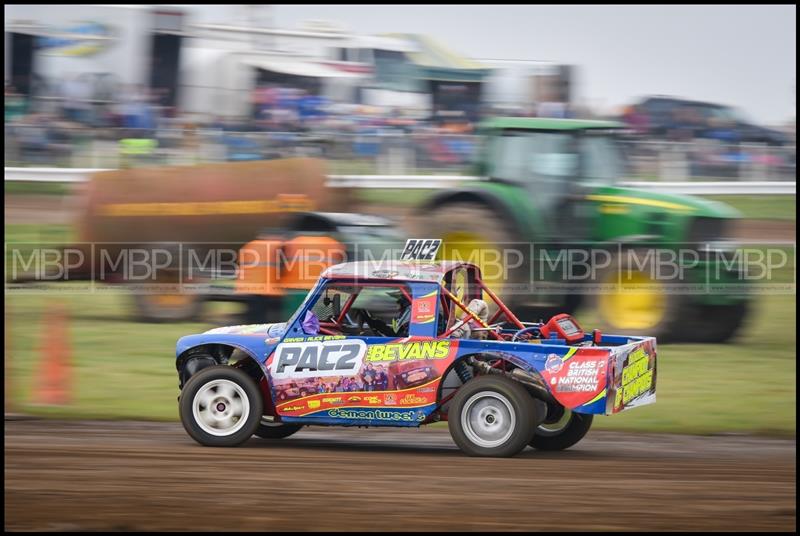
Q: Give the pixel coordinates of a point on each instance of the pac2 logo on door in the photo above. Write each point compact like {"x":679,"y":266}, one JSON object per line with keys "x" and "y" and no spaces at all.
{"x":318,"y":359}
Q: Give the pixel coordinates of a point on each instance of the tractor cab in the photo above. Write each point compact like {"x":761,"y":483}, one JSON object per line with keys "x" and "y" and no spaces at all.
{"x":559,"y":163}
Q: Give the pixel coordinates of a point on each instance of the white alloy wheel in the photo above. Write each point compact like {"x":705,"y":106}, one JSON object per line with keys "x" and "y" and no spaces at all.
{"x":221,"y":407}
{"x":488,"y":419}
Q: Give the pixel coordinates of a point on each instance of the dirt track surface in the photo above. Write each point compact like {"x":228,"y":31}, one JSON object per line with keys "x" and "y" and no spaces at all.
{"x":96,"y":475}
{"x":765,"y":230}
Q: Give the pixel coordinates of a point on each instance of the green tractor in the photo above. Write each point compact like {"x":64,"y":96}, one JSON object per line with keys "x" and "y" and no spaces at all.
{"x":550,"y":197}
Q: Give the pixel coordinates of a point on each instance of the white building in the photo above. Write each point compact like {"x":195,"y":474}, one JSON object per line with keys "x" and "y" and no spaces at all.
{"x":525,"y":85}
{"x":194,"y":64}
{"x":201,"y":64}
{"x":108,"y":47}
{"x":223,"y":63}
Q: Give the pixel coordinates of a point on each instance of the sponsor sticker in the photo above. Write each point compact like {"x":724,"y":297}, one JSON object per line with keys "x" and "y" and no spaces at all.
{"x":377,"y":414}
{"x":424,"y":309}
{"x":315,"y":338}
{"x":581,"y":376}
{"x":553,"y":364}
{"x":318,"y":359}
{"x":637,"y":377}
{"x":409,"y":351}
{"x":412,"y":399}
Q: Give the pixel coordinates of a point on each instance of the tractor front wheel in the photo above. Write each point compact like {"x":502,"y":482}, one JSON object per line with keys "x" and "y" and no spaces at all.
{"x":717,"y":323}
{"x":634,"y":302}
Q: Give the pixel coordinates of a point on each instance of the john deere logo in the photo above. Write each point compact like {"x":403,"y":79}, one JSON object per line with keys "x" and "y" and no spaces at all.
{"x":82,"y":39}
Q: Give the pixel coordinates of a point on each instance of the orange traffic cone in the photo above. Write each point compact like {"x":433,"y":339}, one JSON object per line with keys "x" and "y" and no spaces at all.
{"x":54,"y":381}
{"x":9,"y":384}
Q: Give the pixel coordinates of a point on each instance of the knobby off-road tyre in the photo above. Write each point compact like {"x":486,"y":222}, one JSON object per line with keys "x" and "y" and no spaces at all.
{"x":492,"y":416}
{"x":221,"y":406}
{"x":561,"y":430}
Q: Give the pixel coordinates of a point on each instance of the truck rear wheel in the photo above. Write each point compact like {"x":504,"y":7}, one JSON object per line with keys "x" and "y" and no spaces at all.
{"x":492,"y":416}
{"x":561,"y":429}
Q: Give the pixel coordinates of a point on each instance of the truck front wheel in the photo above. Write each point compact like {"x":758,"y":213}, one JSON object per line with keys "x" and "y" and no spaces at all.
{"x":221,"y":406}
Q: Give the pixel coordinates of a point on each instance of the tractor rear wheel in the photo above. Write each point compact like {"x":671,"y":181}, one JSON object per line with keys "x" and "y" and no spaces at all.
{"x":473,"y":232}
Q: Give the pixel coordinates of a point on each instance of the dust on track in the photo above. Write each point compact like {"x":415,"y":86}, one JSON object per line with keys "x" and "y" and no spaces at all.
{"x":100,"y":475}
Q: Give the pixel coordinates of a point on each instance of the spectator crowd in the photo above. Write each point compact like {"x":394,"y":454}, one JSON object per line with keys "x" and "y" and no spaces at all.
{"x":291,"y":121}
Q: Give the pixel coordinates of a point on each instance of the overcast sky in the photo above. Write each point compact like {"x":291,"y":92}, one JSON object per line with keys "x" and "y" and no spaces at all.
{"x":739,"y":55}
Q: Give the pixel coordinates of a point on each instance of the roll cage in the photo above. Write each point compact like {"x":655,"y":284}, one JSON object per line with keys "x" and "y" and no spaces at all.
{"x":448,"y":301}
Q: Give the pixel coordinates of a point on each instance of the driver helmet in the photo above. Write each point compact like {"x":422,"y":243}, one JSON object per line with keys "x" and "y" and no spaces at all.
{"x":402,"y":321}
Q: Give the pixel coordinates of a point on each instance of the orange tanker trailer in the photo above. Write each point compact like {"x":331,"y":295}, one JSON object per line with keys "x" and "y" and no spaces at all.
{"x":172,"y":234}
